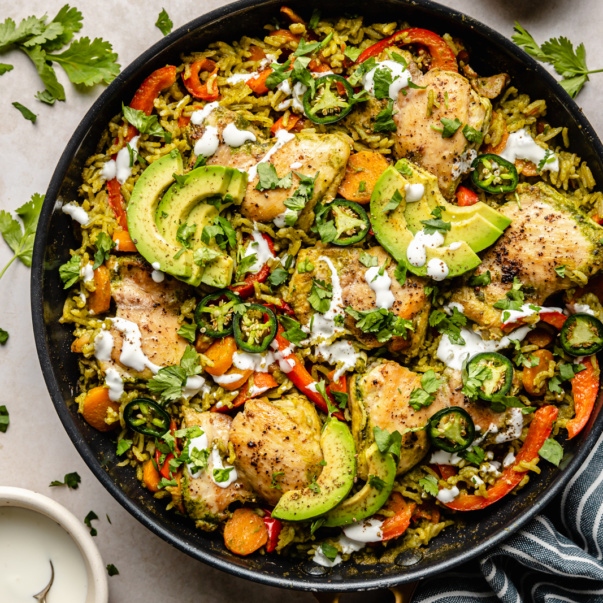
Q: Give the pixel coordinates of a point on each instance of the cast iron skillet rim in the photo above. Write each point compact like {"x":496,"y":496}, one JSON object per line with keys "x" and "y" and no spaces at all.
{"x":406,"y":574}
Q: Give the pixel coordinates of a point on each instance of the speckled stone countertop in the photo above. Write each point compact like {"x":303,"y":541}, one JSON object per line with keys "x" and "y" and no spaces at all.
{"x":35,"y":449}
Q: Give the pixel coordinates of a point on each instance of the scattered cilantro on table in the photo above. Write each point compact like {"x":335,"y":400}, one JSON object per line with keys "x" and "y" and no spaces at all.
{"x":92,"y":516}
{"x":71,"y":480}
{"x":4,"y":419}
{"x":112,"y":570}
{"x":164,"y":25}
{"x":27,"y":114}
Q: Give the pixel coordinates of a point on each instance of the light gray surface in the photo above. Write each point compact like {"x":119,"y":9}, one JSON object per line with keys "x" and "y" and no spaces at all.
{"x":36,"y":450}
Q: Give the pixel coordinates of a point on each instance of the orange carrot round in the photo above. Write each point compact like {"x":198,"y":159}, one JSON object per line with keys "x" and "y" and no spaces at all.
{"x":245,"y":532}
{"x":529,"y":374}
{"x":361,"y":174}
{"x":100,"y":299}
{"x":221,"y":353}
{"x":150,"y":476}
{"x":95,"y":406}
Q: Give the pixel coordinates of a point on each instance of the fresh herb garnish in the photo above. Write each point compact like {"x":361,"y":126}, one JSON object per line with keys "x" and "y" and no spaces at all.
{"x":70,"y":271}
{"x":4,"y":419}
{"x":3,"y":336}
{"x":123,"y":446}
{"x":269,"y":179}
{"x":104,"y":245}
{"x":302,"y":194}
{"x":112,"y":570}
{"x":429,"y":484}
{"x":368,"y":260}
{"x":474,"y":455}
{"x":222,"y":475}
{"x":449,"y":325}
{"x":449,"y":127}
{"x":316,"y":524}
{"x":27,"y":114}
{"x":380,"y":322}
{"x":436,"y":224}
{"x":352,"y":53}
{"x":376,"y":482}
{"x":472,"y":135}
{"x":71,"y":480}
{"x":382,"y":80}
{"x":164,"y":23}
{"x":278,"y":276}
{"x":92,"y":516}
{"x":560,"y":270}
{"x":425,"y":395}
{"x":480,"y":280}
{"x":477,"y":374}
{"x":329,"y":551}
{"x":244,"y":264}
{"x":188,"y":332}
{"x":276,"y":475}
{"x":320,"y":296}
{"x":551,"y":451}
{"x":293,"y":331}
{"x":549,"y":157}
{"x":280,"y":72}
{"x":394,"y":202}
{"x":314,"y":486}
{"x":400,"y":273}
{"x":304,"y":48}
{"x":384,"y":121}
{"x":145,"y":124}
{"x":387,"y":442}
{"x":501,"y":403}
{"x":514,"y":298}
{"x":169,"y":382}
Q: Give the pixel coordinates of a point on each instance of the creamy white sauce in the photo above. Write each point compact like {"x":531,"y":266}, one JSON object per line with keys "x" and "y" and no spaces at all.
{"x":462,"y":164}
{"x":109,"y":170}
{"x":451,"y":306}
{"x":294,"y":96}
{"x":115,"y":384}
{"x":447,"y":495}
{"x":259,"y":247}
{"x":520,"y":145}
{"x":198,"y":117}
{"x":289,"y":215}
{"x":296,"y":165}
{"x":209,"y":142}
{"x":416,"y":252}
{"x":455,"y":245}
{"x":491,"y":467}
{"x":103,"y":346}
{"x":321,"y":559}
{"x":132,"y":355}
{"x":255,"y":391}
{"x":193,"y":386}
{"x":216,"y":462}
{"x":340,"y":353}
{"x":285,"y":362}
{"x":369,"y":530}
{"x":282,"y":138}
{"x":123,"y":169}
{"x":453,"y":355}
{"x":87,"y":273}
{"x":157,"y":275}
{"x":235,"y":78}
{"x":30,"y":540}
{"x":477,"y":481}
{"x":77,"y":213}
{"x":437,"y":269}
{"x":414,"y":192}
{"x":234,"y":137}
{"x":511,"y":316}
{"x":226,"y":379}
{"x":513,"y":428}
{"x":581,"y":309}
{"x":441,"y":457}
{"x":258,"y":363}
{"x":508,"y":460}
{"x":400,"y":78}
{"x":380,"y":284}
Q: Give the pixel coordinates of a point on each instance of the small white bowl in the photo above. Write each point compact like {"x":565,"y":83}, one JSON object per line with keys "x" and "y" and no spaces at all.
{"x":98,"y":590}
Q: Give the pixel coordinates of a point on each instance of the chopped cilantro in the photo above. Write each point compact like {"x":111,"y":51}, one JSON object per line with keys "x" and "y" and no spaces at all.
{"x":222,"y":475}
{"x":436,"y":224}
{"x":103,"y":245}
{"x":329,"y":551}
{"x":450,"y":126}
{"x":376,"y":482}
{"x":551,"y":451}
{"x":568,"y":371}
{"x":394,"y":202}
{"x":368,"y":260}
{"x":70,"y":271}
{"x":278,"y":276}
{"x":71,"y":480}
{"x":429,"y":484}
{"x":245,"y":264}
{"x":145,"y":124}
{"x":3,"y":336}
{"x":316,"y":524}
{"x":352,"y":53}
{"x":276,"y":475}
{"x":474,"y":455}
{"x":424,"y":396}
{"x":304,"y":48}
{"x":280,"y":72}
{"x":449,"y":325}
{"x":404,"y":168}
{"x":514,"y":298}
{"x":112,"y":570}
{"x":387,"y":442}
{"x":123,"y":446}
{"x":476,"y":375}
{"x":269,"y":179}
{"x":92,"y":516}
{"x":27,"y":114}
{"x":293,"y":331}
{"x":380,"y":322}
{"x":560,"y":270}
{"x":400,"y":273}
{"x":164,"y":23}
{"x":320,"y":296}
{"x":341,"y":399}
{"x":314,"y":19}
{"x":188,"y":332}
{"x":314,"y":486}
{"x":472,"y":135}
{"x":170,"y":381}
{"x":480,"y":280}
{"x":384,"y":121}
{"x":4,"y":419}
{"x":302,"y":194}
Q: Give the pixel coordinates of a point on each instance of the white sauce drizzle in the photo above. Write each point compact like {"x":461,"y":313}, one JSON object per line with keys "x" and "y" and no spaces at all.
{"x":369,"y":530}
{"x":437,"y":269}
{"x":380,"y":284}
{"x":513,"y":428}
{"x":581,"y":309}
{"x":109,"y":170}
{"x":123,"y":169}
{"x":400,"y":78}
{"x":235,"y":78}
{"x":87,"y":272}
{"x":226,"y":379}
{"x":462,"y":164}
{"x":103,"y":346}
{"x":520,"y":145}
{"x":414,"y":192}
{"x":115,"y":384}
{"x":289,"y":215}
{"x":209,"y":142}
{"x":77,"y":213}
{"x":447,"y":495}
{"x":293,"y":96}
{"x":193,"y":386}
{"x":259,"y":363}
{"x":282,"y":138}
{"x":199,"y":443}
{"x":260,"y":248}
{"x":198,"y":117}
{"x":511,"y":316}
{"x":508,"y":460}
{"x":441,"y":457}
{"x":132,"y":355}
{"x":216,"y":461}
{"x":234,"y":137}
{"x":416,"y":252}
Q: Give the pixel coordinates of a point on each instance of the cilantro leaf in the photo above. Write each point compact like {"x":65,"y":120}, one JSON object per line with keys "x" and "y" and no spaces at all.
{"x":384,"y":121}
{"x":112,"y":570}
{"x":70,"y":271}
{"x":472,"y":135}
{"x":222,"y":475}
{"x":314,"y":486}
{"x":145,"y":124}
{"x":523,"y":38}
{"x":320,"y":296}
{"x":92,"y":516}
{"x":424,"y":396}
{"x":341,"y":398}
{"x":70,"y":19}
{"x":568,"y":371}
{"x":316,"y":524}
{"x":5,"y":68}
{"x":329,"y":551}
{"x":278,"y":276}
{"x":293,"y":331}
{"x":123,"y":446}
{"x":53,"y":88}
{"x":4,"y":419}
{"x":269,"y":179}
{"x":352,"y":53}
{"x":400,"y":273}
{"x":11,"y":34}
{"x":276,"y":475}
{"x":449,"y":127}
{"x":449,"y":325}
{"x":368,"y":260}
{"x":475,"y":377}
{"x":3,"y":336}
{"x":514,"y":298}
{"x":302,"y":194}
{"x":474,"y":455}
{"x":436,"y":224}
{"x":480,"y":280}
{"x":164,"y":23}
{"x":168,"y":383}
{"x":394,"y":202}
{"x":188,"y":332}
{"x":560,"y":270}
{"x":376,"y":482}
{"x":27,"y":114}
{"x":245,"y":264}
{"x":314,"y":19}
{"x":71,"y":480}
{"x":388,"y":442}
{"x":103,"y":244}
{"x":190,"y":361}
{"x":304,"y":48}
{"x":551,"y":451}
{"x":280,"y":72}
{"x":380,"y":322}
{"x":382,"y":80}
{"x":429,"y":484}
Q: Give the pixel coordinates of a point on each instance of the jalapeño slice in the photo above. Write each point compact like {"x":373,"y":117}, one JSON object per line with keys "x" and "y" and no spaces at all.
{"x":351,"y":221}
{"x":330,"y":101}
{"x":255,"y":328}
{"x":147,"y":417}
{"x":451,"y":429}
{"x":499,"y":379}
{"x":494,"y":174}
{"x":582,"y":335}
{"x":214,"y":314}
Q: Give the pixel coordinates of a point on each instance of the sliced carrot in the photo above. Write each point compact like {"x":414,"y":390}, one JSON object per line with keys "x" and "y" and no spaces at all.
{"x":466,"y":197}
{"x":256,"y":385}
{"x":150,"y":476}
{"x":361,"y":174}
{"x":245,"y":532}
{"x":527,"y":168}
{"x":316,"y":66}
{"x":243,"y":375}
{"x":288,"y":124}
{"x":258,"y":83}
{"x":123,"y":241}
{"x":221,"y":352}
{"x":100,"y":299}
{"x":585,"y":388}
{"x":427,"y":511}
{"x":529,"y":374}
{"x":95,"y":406}
{"x":291,"y":15}
{"x":398,"y":524}
{"x":256,"y":53}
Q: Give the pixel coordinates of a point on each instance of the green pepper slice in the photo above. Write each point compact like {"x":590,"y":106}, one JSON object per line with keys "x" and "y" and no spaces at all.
{"x":351,"y":221}
{"x":330,"y":101}
{"x":451,"y":429}
{"x":497,"y":382}
{"x":215,"y":312}
{"x":147,"y":417}
{"x":255,"y":328}
{"x":494,"y":174}
{"x":582,"y":335}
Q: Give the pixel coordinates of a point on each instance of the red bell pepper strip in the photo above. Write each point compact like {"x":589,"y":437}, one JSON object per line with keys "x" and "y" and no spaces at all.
{"x":164,"y":469}
{"x":117,"y":203}
{"x":246,"y":289}
{"x":585,"y":388}
{"x":538,"y":432}
{"x":258,"y":83}
{"x":341,"y":385}
{"x":279,"y":124}
{"x":466,"y":197}
{"x":207,"y":91}
{"x":397,"y":524}
{"x":442,"y":56}
{"x":555,"y":319}
{"x":447,"y":471}
{"x":273,"y":527}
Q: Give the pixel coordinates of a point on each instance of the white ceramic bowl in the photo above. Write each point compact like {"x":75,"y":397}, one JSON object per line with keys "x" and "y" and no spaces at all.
{"x":98,"y":590}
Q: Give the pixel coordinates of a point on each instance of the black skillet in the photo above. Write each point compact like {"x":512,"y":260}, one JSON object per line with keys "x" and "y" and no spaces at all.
{"x":490,"y":53}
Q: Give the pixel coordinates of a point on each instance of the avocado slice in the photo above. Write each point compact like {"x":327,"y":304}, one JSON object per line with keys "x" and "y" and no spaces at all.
{"x":479,"y":225}
{"x":372,"y":496}
{"x":394,"y":235}
{"x":156,"y":219}
{"x":333,"y":484}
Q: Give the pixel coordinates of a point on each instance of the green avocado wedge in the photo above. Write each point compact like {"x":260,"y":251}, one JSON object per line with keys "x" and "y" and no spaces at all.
{"x":392,"y":231}
{"x":332,"y":485}
{"x":372,"y":496}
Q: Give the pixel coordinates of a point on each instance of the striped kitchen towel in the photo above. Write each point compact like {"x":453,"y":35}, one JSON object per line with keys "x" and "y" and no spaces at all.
{"x":556,"y":558}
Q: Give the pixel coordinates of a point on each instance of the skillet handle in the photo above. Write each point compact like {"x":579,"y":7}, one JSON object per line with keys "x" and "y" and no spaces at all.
{"x":402,"y":594}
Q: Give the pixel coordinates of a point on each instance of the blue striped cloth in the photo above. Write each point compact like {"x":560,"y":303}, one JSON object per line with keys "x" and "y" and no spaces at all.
{"x":556,"y":558}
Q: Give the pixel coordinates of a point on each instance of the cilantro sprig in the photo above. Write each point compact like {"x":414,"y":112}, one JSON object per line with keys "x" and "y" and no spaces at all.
{"x":568,"y":62}
{"x":380,"y":322}
{"x":71,"y":480}
{"x":169,"y":382}
{"x":424,"y":396}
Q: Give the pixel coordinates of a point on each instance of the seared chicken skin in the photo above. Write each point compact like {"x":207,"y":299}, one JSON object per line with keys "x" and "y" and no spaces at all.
{"x":530,"y":249}
{"x":419,"y":129}
{"x":381,"y":397}
{"x":410,"y":299}
{"x":277,"y":445}
{"x":205,"y":501}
